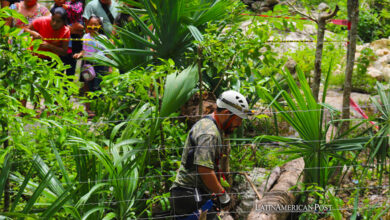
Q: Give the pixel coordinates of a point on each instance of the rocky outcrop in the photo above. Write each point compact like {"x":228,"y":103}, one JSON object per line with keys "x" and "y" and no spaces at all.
{"x":379,"y":67}
{"x":260,"y":6}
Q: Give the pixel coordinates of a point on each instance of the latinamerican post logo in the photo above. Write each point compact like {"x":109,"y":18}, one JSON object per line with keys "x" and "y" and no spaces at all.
{"x":277,"y":208}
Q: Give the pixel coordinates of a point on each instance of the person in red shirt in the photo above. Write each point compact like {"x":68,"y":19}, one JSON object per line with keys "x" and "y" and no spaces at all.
{"x":52,"y":27}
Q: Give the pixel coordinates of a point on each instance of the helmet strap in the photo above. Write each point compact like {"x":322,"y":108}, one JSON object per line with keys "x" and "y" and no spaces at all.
{"x":228,"y":122}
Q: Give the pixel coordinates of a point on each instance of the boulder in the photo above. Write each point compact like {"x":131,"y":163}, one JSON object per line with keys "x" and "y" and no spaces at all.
{"x":379,"y":67}
{"x":382,"y":52}
{"x":375,"y":73}
{"x":379,"y":44}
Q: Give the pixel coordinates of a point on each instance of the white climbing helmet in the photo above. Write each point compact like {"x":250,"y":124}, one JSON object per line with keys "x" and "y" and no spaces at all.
{"x":234,"y":102}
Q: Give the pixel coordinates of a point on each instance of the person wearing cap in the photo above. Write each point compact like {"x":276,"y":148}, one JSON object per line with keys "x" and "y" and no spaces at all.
{"x":199,"y":175}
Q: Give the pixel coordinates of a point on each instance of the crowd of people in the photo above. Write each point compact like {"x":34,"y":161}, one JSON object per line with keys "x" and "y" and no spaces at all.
{"x":63,"y":25}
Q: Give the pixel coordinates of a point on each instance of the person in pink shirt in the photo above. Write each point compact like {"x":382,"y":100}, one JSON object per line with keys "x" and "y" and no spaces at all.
{"x":75,"y":11}
{"x":31,"y":9}
{"x":52,"y":27}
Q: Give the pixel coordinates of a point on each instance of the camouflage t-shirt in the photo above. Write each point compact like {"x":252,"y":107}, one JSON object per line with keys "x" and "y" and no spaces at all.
{"x":207,"y":146}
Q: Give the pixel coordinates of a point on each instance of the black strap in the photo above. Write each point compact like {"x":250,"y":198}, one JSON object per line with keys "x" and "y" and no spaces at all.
{"x":193,"y":145}
{"x":108,"y":12}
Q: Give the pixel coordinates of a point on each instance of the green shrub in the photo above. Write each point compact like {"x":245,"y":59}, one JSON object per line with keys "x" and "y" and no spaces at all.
{"x":361,"y":81}
{"x":369,"y":26}
{"x":374,"y":20}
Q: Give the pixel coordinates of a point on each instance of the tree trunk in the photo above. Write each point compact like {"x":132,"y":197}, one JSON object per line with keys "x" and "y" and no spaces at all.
{"x":318,"y":58}
{"x":321,"y":22}
{"x":280,"y":193}
{"x":353,"y":17}
{"x":225,"y":164}
{"x":200,"y":81}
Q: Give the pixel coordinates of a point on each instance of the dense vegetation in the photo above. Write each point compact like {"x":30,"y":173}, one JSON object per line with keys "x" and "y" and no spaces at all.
{"x":55,"y":163}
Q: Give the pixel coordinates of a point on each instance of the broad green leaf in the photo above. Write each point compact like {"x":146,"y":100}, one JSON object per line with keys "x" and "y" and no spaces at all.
{"x":15,"y":215}
{"x":45,"y":94}
{"x":16,"y":15}
{"x":224,"y":183}
{"x":115,"y":130}
{"x":195,"y":33}
{"x":262,"y":116}
{"x":38,"y":192}
{"x":86,"y":197}
{"x":49,"y":54}
{"x":109,"y":216}
{"x":54,"y":184}
{"x":93,"y":210}
{"x":179,"y":87}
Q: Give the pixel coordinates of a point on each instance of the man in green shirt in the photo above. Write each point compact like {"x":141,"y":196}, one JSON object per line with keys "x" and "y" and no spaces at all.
{"x":199,"y":174}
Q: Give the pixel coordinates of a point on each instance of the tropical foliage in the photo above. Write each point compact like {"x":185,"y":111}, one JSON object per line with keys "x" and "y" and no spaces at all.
{"x":56,"y":163}
{"x":306,"y":116}
{"x":161,"y":30}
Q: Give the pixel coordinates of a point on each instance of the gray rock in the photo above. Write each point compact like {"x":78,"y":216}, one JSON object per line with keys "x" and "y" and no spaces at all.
{"x":256,"y":6}
{"x":379,"y":68}
{"x":248,"y":2}
{"x":291,"y":65}
{"x":271,"y":2}
{"x":265,"y":9}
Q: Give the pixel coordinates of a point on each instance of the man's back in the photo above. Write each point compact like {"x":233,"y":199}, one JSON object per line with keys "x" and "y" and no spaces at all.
{"x":203,"y":147}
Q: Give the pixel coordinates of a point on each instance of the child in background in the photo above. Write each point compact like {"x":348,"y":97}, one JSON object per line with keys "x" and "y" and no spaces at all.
{"x":93,"y":28}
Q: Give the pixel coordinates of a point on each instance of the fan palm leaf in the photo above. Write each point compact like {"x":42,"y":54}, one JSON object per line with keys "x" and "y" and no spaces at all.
{"x":305,"y":115}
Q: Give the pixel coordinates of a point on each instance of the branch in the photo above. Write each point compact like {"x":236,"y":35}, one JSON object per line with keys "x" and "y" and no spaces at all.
{"x":330,"y":15}
{"x":301,"y":13}
{"x":252,"y":185}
